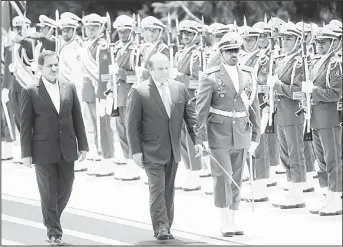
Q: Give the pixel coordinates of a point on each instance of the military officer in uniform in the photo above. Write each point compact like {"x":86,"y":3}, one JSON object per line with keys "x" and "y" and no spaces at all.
{"x":286,"y":81}
{"x":187,"y":62}
{"x":94,"y":98}
{"x":325,"y":86}
{"x":125,"y":78}
{"x":230,"y":123}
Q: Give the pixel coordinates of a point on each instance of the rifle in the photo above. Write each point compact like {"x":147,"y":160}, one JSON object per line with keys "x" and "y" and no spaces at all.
{"x":305,"y":103}
{"x":82,"y":28}
{"x":203,"y":62}
{"x":113,"y":74}
{"x":270,"y":128}
{"x":170,"y":44}
{"x":178,"y":42}
{"x":137,"y":30}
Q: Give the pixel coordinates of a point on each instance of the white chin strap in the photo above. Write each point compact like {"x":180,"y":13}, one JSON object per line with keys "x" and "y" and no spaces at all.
{"x":72,"y":37}
{"x":294,"y":47}
{"x":256,"y":43}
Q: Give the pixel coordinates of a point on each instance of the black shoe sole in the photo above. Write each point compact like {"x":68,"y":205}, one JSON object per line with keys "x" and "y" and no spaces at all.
{"x":81,"y":170}
{"x":264,"y":199}
{"x":105,"y":175}
{"x":330,"y":214}
{"x":304,"y":191}
{"x":209,"y":193}
{"x":239,"y":233}
{"x":272,"y":184}
{"x":205,"y":176}
{"x":162,"y":237}
{"x":195,"y":189}
{"x":278,"y":172}
{"x":291,"y":206}
{"x":228,"y":234}
{"x":128,"y":179}
{"x":314,"y":211}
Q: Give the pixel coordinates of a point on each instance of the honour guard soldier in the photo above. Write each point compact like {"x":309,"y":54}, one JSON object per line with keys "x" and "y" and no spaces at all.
{"x":272,"y":155}
{"x":230,"y":122}
{"x":93,"y":95}
{"x":309,"y":29}
{"x":258,"y":62}
{"x":22,"y":58}
{"x":70,"y":67}
{"x":152,"y":30}
{"x":325,"y":86}
{"x":217,"y":31}
{"x":285,"y":82}
{"x":7,"y":121}
{"x":125,"y":78}
{"x":187,"y":62}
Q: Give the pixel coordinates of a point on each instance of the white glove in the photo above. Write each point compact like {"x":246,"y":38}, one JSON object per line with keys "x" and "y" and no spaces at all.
{"x":202,"y":75}
{"x":307,"y":87}
{"x":206,"y":146}
{"x":113,"y":68}
{"x":5,"y":95}
{"x":102,"y":107}
{"x":264,"y":120}
{"x":198,"y":150}
{"x":109,"y":104}
{"x":271,"y":80}
{"x":139,"y":71}
{"x":252,"y":147}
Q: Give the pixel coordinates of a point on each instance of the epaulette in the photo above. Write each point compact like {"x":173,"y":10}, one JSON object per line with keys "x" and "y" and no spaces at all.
{"x":212,"y":70}
{"x":161,"y":47}
{"x":247,"y":69}
{"x":279,"y":56}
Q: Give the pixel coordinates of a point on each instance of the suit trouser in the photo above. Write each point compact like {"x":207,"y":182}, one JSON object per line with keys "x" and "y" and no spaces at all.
{"x":226,"y":193}
{"x":14,"y":98}
{"x":292,"y":152}
{"x":106,"y":132}
{"x":188,"y":151}
{"x":121,"y":130}
{"x":55,"y":184}
{"x":328,"y":148}
{"x":161,"y":179}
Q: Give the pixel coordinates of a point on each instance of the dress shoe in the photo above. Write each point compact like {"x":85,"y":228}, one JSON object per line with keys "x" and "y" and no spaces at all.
{"x":56,"y":241}
{"x":162,"y":235}
{"x":170,"y":236}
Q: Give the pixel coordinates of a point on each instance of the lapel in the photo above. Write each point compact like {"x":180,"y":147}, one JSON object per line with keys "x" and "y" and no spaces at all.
{"x":225,"y":77}
{"x":322,"y":67}
{"x":288,"y":65}
{"x":43,"y":93}
{"x":156,"y":95}
{"x":63,"y":90}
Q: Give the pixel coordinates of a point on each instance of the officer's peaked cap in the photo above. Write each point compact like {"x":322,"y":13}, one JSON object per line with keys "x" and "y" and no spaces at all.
{"x":152,"y":22}
{"x":20,"y":21}
{"x":230,"y":41}
{"x":123,"y":22}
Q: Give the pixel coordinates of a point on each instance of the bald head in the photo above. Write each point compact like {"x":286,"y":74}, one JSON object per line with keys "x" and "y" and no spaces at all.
{"x":158,"y":58}
{"x":159,"y":67}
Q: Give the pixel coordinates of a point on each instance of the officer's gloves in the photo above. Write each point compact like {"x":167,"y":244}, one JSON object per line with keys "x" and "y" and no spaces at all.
{"x":271,"y":80}
{"x":307,"y":86}
{"x":5,"y":95}
{"x":253,"y":147}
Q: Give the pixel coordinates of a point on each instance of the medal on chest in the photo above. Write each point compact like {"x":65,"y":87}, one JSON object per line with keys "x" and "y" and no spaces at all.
{"x":221,"y":89}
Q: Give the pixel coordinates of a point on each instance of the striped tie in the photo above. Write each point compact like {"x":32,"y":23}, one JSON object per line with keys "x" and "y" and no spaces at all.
{"x":165,"y":97}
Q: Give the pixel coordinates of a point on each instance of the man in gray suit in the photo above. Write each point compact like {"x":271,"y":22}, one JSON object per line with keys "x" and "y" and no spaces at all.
{"x":52,"y":137}
{"x":155,"y":111}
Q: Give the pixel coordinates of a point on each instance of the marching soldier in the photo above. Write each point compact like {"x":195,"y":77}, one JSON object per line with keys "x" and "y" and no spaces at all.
{"x":187,"y":62}
{"x":125,"y":78}
{"x":152,"y":30}
{"x":271,"y":155}
{"x":70,"y":67}
{"x":230,"y":122}
{"x":22,"y":57}
{"x":286,"y":81}
{"x":325,"y":86}
{"x":93,"y":95}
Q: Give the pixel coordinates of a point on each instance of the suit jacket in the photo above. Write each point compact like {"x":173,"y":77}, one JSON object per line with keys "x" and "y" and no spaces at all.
{"x":225,"y":132}
{"x":328,"y":79}
{"x":46,"y":135}
{"x":150,"y":131}
{"x":291,"y":77}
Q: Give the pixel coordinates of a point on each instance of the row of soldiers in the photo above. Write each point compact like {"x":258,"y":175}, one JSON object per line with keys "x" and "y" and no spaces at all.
{"x":277,"y":52}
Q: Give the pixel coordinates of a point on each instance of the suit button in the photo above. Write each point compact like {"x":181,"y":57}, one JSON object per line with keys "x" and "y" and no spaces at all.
{"x":233,"y":121}
{"x":234,"y":100}
{"x":60,"y":131}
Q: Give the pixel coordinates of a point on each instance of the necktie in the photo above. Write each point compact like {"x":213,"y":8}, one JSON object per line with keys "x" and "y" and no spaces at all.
{"x":165,"y":97}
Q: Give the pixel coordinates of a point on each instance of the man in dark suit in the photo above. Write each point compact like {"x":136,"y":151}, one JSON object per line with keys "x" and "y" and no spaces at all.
{"x":52,"y":132}
{"x":155,"y":111}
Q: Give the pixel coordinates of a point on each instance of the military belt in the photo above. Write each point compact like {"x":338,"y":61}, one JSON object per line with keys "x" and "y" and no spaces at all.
{"x":232,"y":114}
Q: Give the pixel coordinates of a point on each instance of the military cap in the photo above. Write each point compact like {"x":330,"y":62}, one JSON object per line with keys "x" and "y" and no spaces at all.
{"x":289,"y":28}
{"x":19,"y":21}
{"x":123,"y":22}
{"x":190,"y":26}
{"x":336,"y":23}
{"x":335,"y":26}
{"x":325,"y":33}
{"x":247,"y":31}
{"x":67,"y":22}
{"x":265,"y":27}
{"x":46,"y":21}
{"x":230,"y":41}
{"x":231,"y":27}
{"x":276,"y":22}
{"x":152,"y":22}
{"x":219,"y":28}
{"x":71,"y":16}
{"x":93,"y":19}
